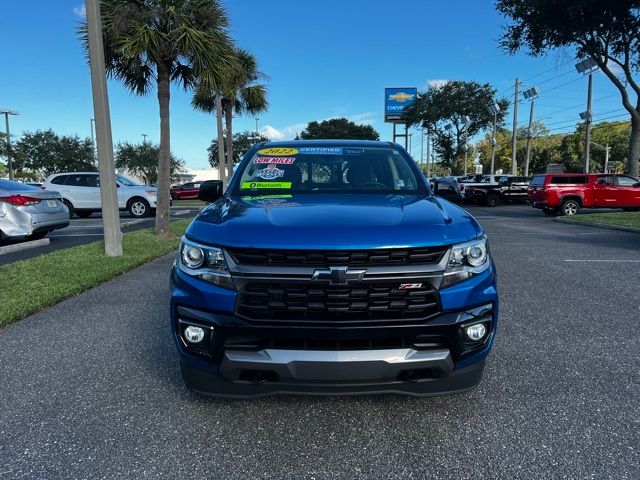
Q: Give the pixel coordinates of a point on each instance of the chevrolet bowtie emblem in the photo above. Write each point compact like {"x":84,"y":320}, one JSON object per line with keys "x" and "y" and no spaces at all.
{"x":339,"y":275}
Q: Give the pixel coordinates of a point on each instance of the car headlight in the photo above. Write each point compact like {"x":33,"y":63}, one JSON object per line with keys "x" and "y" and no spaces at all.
{"x":204,"y":262}
{"x":466,"y":260}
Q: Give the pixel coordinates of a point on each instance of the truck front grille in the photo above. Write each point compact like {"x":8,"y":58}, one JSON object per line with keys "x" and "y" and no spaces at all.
{"x":391,"y":256}
{"x":364,"y":304}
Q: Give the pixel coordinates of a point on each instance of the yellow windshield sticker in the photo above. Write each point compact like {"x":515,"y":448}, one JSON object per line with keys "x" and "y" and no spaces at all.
{"x":279,"y":151}
{"x":261,"y":185}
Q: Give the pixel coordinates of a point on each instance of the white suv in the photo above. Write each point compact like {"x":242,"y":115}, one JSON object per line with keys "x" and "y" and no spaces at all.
{"x":80,"y":192}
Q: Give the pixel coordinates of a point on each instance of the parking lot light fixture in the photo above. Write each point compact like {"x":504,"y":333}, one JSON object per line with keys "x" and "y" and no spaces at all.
{"x":6,"y":113}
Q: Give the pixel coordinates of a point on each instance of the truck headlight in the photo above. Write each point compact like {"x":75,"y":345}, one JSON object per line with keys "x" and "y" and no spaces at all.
{"x":466,"y":260}
{"x":204,"y":262}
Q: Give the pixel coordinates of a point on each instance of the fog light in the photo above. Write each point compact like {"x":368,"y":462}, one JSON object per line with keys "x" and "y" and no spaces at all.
{"x":193,"y":334}
{"x":476,"y":332}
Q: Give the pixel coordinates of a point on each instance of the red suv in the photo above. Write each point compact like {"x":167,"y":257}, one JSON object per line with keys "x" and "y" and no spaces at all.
{"x":567,"y":193}
{"x":185,"y":192}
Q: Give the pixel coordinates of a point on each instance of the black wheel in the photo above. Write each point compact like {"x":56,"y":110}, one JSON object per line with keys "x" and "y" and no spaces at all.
{"x":38,"y":235}
{"x":492,"y":200}
{"x":138,"y":207}
{"x":570,"y":207}
{"x":70,"y":207}
{"x":550,"y":211}
{"x":84,"y":214}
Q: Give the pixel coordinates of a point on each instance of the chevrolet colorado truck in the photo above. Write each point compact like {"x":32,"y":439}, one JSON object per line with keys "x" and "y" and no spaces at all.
{"x":329,"y":267}
{"x":568,"y":193}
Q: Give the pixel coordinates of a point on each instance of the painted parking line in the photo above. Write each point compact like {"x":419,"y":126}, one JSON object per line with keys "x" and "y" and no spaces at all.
{"x":614,"y":260}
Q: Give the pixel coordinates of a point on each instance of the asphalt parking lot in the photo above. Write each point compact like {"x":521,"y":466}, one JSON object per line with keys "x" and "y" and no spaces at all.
{"x":85,"y":230}
{"x":91,"y":387}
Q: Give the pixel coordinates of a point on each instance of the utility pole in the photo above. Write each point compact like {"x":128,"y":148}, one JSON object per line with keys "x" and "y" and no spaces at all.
{"x":93,"y":137}
{"x":589,"y":65}
{"x":428,"y":154}
{"x":6,"y":113}
{"x":587,"y":137}
{"x":495,"y":109}
{"x":421,"y":146}
{"x":108,"y":195}
{"x":144,"y":138}
{"x":466,"y":143}
{"x":514,"y":139}
{"x":531,"y":94}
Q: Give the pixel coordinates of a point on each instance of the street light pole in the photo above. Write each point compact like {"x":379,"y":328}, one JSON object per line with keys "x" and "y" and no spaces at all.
{"x":587,"y":138}
{"x":6,"y":113}
{"x":514,"y":136}
{"x":529,"y":94}
{"x":257,"y":131}
{"x":428,"y":155}
{"x":108,"y":195}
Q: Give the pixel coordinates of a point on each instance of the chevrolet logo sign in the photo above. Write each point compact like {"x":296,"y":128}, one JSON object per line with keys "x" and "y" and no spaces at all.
{"x":401,"y":97}
{"x":339,"y":275}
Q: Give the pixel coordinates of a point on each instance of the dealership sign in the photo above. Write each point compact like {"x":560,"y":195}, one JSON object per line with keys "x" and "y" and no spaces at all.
{"x":396,"y":100}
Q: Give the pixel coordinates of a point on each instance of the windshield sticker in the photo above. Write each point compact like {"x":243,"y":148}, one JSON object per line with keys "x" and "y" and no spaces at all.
{"x":275,"y":160}
{"x":321,"y":151}
{"x":270,"y":173}
{"x":265,"y":185}
{"x":353,"y":151}
{"x":280,"y":151}
{"x":267,"y":197}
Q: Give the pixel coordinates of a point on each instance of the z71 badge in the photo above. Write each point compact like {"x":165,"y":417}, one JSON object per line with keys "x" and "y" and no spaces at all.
{"x":270,"y":172}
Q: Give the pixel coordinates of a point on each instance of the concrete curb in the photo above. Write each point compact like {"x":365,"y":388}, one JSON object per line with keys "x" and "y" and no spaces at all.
{"x":597,"y":225}
{"x":43,"y":242}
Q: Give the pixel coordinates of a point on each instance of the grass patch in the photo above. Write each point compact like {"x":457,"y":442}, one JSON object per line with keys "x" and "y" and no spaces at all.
{"x":30,"y":285}
{"x":625,"y":219}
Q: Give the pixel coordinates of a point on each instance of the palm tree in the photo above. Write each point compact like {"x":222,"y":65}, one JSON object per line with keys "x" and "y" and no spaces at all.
{"x":242,"y":95}
{"x":156,"y":42}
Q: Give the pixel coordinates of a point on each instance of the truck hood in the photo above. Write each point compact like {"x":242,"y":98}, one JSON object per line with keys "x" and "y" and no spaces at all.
{"x":327,"y":221}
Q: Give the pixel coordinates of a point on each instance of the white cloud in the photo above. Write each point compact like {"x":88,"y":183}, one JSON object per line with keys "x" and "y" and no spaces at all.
{"x":80,"y":11}
{"x":290,"y":131}
{"x":437,"y":83}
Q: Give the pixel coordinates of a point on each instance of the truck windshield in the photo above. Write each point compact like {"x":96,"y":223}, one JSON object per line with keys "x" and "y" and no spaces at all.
{"x":313,"y":169}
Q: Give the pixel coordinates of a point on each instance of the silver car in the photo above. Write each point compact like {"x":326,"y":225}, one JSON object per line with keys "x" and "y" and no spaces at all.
{"x":27,"y":211}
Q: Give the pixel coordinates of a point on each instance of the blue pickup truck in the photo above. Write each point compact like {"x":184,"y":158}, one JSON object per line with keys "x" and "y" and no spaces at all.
{"x":329,"y":267}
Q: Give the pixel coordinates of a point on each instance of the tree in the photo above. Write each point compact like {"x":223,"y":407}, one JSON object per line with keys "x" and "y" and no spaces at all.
{"x":240,"y":95}
{"x":142,"y":161}
{"x":241,"y":143}
{"x":339,"y":128}
{"x":155,"y":42}
{"x":44,"y":153}
{"x":608,"y":32}
{"x":455,"y":104}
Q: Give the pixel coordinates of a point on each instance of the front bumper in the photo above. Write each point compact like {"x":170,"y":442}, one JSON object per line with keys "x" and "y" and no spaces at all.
{"x":244,"y":360}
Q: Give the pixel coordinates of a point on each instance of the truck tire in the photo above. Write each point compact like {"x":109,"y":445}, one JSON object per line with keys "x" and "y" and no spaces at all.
{"x":570,"y":207}
{"x":492,"y":200}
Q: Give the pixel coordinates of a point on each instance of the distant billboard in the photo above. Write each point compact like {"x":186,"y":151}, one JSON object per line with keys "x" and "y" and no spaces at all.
{"x":396,"y":100}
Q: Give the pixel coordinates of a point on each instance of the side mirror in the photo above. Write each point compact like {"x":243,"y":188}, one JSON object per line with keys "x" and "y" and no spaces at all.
{"x":210,"y":191}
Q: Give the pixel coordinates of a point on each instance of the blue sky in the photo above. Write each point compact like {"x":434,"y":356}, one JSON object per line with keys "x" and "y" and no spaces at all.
{"x":324,"y":59}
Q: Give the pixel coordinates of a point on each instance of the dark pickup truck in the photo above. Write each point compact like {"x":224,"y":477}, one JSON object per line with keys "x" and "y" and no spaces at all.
{"x":508,"y":190}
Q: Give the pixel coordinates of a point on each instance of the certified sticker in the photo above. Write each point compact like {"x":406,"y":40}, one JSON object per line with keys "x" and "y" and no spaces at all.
{"x":270,"y":173}
{"x":278,"y":151}
{"x":265,"y":185}
{"x":321,"y":151}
